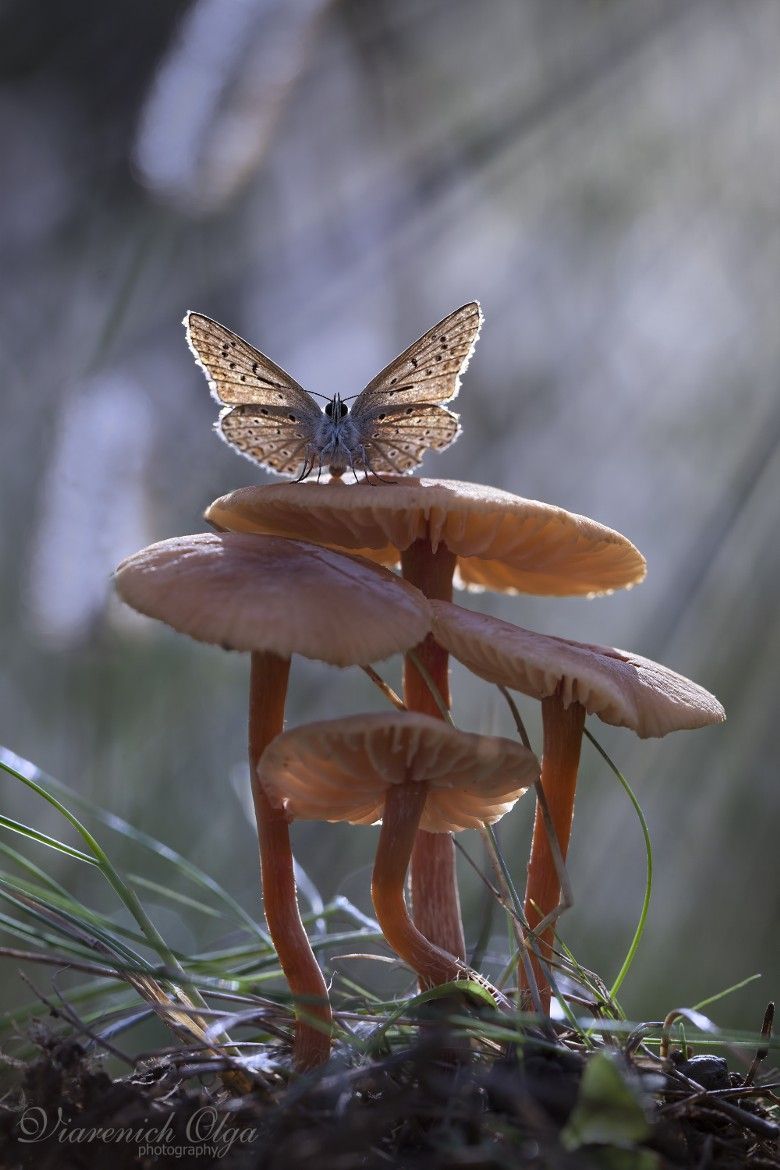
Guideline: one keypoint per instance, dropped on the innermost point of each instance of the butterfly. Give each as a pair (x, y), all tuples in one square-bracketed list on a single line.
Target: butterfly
[(271, 419)]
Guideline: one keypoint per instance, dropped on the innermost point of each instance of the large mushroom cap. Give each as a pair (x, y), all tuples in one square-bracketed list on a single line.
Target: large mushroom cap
[(503, 542), (266, 593), (621, 688), (340, 770)]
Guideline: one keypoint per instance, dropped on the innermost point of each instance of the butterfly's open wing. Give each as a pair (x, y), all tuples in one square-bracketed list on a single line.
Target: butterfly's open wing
[(236, 371), (269, 417), (400, 414), (272, 441), (399, 441), (429, 370)]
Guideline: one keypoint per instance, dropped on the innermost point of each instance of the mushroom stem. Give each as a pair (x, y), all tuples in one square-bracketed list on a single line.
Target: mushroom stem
[(267, 694), (435, 898), (560, 762), (404, 805)]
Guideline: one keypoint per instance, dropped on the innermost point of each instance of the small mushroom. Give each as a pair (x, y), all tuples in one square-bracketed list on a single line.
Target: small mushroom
[(494, 540), (409, 770), (571, 679), (274, 598)]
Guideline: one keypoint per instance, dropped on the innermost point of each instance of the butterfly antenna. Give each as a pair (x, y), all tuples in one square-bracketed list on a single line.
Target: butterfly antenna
[(329, 397)]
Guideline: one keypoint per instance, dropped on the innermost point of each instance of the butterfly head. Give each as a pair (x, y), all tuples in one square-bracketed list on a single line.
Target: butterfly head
[(336, 410)]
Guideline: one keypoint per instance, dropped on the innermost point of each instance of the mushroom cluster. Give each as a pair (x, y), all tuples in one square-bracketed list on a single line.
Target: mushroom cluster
[(285, 563)]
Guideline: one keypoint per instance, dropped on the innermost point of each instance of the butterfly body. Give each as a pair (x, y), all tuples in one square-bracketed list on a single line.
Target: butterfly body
[(336, 442), (268, 417)]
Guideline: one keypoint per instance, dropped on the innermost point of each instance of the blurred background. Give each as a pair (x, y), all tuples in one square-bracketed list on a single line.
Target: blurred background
[(330, 179)]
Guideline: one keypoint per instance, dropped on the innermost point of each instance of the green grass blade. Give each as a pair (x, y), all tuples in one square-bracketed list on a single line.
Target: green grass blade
[(79, 929), (44, 839), (28, 866), (640, 928), (436, 695), (63, 902), (127, 896), (726, 991), (147, 842), (172, 895)]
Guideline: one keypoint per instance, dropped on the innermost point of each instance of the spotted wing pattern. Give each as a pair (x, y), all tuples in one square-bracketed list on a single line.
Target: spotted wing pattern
[(264, 437), (268, 416), (399, 415), (398, 443)]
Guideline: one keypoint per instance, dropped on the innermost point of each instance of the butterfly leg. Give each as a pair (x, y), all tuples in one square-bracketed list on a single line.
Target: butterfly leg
[(304, 470), (368, 469), (378, 479), (352, 467), (308, 466), (365, 467)]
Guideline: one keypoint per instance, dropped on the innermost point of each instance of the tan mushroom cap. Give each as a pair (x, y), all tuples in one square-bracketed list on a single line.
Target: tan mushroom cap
[(285, 596), (503, 542), (622, 688), (340, 770)]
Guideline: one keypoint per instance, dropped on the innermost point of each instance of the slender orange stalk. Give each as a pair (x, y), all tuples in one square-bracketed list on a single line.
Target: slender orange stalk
[(403, 808), (404, 804), (267, 694), (435, 898), (560, 763)]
